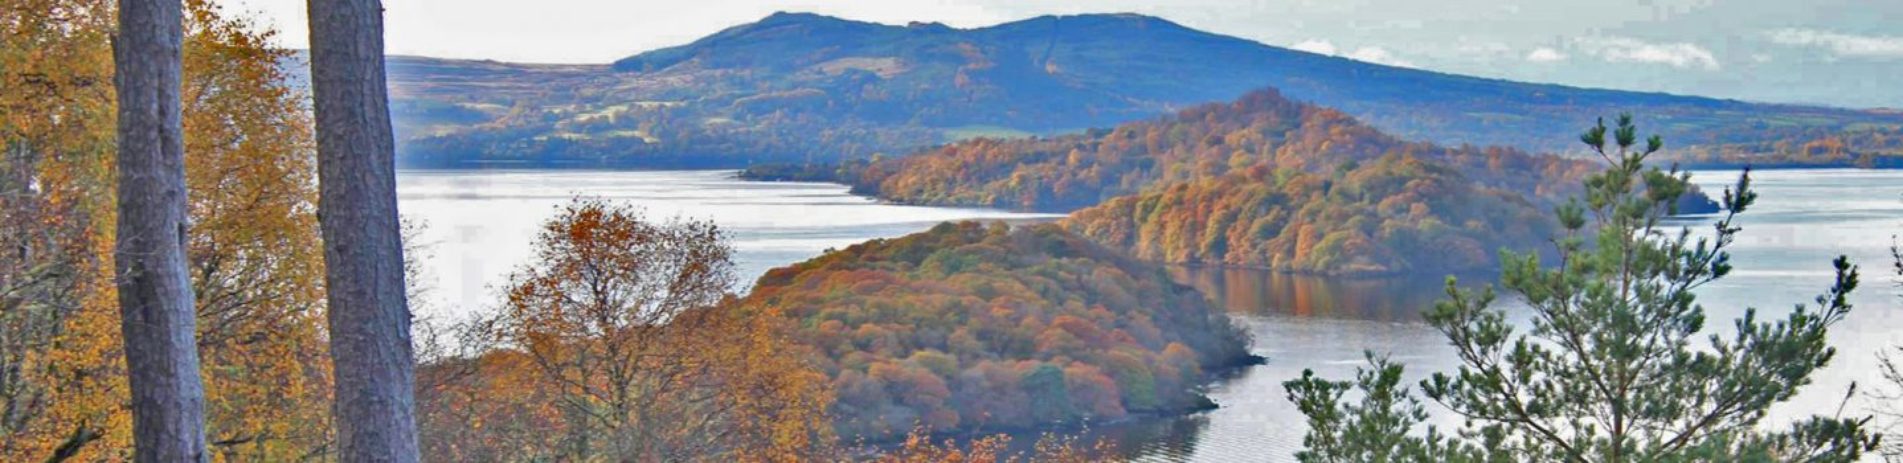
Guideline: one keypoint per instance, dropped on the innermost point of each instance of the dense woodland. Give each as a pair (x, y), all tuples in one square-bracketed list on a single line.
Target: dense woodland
[(1263, 181), (255, 261), (989, 327), (1262, 129), (1868, 147), (619, 342), (966, 328), (1394, 214)]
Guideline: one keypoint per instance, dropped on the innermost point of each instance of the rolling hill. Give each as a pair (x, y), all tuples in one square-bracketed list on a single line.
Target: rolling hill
[(972, 326), (1262, 181), (802, 87)]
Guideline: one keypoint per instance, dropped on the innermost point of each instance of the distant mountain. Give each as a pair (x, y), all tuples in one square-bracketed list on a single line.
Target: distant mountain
[(804, 87)]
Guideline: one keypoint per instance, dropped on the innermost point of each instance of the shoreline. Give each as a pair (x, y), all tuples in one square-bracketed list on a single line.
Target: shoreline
[(1075, 429)]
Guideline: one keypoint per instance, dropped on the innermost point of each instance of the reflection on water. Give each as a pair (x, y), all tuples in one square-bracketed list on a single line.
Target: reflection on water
[(1299, 322), (1263, 293)]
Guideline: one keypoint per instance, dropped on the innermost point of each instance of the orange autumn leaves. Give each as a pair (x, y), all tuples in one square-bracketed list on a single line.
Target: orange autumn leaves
[(620, 341), (614, 343), (1263, 182), (56, 127), (1259, 130), (969, 326), (254, 248), (1395, 214)]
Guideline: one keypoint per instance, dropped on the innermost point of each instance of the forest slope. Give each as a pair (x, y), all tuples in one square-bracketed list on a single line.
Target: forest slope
[(973, 326), (1263, 181), (1398, 213), (1263, 128)]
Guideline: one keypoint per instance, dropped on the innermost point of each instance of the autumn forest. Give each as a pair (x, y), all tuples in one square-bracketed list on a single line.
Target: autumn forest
[(202, 256)]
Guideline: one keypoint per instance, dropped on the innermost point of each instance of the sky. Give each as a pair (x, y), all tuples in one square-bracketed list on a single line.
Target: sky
[(1837, 52)]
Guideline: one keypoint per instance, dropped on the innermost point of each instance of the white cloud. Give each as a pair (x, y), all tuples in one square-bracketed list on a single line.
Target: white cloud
[(1545, 55), (1321, 47), (1630, 50), (1378, 55), (1375, 55), (1842, 45)]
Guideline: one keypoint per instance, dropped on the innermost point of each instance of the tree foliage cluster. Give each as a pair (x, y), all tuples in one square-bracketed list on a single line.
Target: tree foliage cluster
[(1261, 129), (1262, 181), (972, 326), (252, 255), (619, 342), (1394, 214), (919, 447), (1872, 147)]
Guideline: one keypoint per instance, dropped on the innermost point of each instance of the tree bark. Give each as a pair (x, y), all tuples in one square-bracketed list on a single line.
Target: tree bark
[(363, 250), (154, 283)]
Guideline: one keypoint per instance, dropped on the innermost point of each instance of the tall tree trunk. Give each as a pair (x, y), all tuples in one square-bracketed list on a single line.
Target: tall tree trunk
[(155, 288), (363, 248)]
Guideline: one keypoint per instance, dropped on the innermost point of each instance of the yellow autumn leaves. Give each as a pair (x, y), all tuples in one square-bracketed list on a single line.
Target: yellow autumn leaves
[(252, 250)]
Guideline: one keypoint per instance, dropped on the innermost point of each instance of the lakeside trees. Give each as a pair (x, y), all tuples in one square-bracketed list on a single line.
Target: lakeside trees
[(623, 319), (1391, 215), (974, 326), (1263, 181), (1608, 371), (617, 343), (1262, 129)]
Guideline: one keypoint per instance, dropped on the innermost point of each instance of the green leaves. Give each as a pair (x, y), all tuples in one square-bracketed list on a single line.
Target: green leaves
[(1607, 370), (1373, 430)]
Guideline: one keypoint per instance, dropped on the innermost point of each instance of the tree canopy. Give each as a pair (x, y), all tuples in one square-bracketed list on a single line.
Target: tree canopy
[(974, 326), (252, 249), (615, 343)]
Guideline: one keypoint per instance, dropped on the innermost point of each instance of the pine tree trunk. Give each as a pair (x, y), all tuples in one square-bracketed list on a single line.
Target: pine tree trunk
[(363, 250), (155, 289)]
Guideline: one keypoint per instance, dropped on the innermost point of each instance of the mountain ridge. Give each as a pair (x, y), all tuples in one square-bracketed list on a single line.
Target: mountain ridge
[(797, 87)]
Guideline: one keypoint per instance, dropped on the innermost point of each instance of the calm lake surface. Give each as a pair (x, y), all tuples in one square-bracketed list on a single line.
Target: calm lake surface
[(480, 225)]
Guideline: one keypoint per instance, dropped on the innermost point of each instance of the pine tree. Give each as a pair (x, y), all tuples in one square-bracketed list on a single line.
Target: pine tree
[(363, 248), (155, 292), (1608, 371)]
